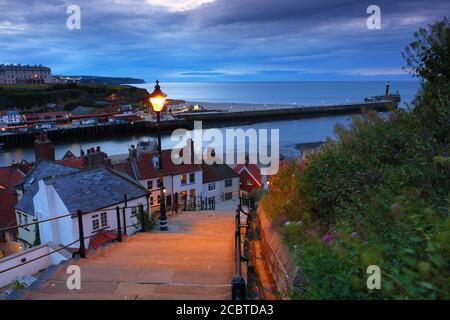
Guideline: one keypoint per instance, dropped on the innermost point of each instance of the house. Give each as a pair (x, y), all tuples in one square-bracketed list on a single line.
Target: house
[(55, 117), (220, 183), (25, 211), (10, 117), (250, 178), (182, 183), (97, 193), (9, 242)]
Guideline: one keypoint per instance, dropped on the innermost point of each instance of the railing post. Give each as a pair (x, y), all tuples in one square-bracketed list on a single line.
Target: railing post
[(124, 220), (82, 251), (141, 212), (119, 228), (238, 282)]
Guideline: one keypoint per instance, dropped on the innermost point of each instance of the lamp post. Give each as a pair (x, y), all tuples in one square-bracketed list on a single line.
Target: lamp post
[(157, 100)]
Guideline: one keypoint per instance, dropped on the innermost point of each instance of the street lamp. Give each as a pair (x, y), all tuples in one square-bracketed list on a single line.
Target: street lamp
[(157, 100)]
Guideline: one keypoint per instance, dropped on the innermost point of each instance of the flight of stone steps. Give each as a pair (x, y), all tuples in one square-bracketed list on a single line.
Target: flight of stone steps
[(194, 260)]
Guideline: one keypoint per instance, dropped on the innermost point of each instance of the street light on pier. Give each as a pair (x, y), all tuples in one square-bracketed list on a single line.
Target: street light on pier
[(157, 99)]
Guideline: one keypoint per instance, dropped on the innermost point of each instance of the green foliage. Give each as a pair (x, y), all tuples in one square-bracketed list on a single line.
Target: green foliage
[(257, 194), (18, 285), (29, 96), (429, 55), (380, 195), (37, 236), (146, 220)]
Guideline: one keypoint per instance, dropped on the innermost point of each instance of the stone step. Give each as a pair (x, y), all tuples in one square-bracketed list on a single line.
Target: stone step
[(194, 262)]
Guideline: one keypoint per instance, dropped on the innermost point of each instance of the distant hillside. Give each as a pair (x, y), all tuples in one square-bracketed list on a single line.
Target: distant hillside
[(104, 80), (36, 97)]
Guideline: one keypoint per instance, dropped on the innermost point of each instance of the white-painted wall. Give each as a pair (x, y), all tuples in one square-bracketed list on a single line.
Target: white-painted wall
[(19, 260), (64, 231), (221, 190)]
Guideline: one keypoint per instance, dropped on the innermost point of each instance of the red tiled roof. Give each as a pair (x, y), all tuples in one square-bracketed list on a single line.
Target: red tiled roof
[(8, 201), (46, 114), (25, 166), (124, 167), (77, 162), (148, 171), (11, 176), (252, 169)]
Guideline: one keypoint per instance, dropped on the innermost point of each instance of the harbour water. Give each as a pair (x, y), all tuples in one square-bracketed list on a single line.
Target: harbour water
[(291, 131)]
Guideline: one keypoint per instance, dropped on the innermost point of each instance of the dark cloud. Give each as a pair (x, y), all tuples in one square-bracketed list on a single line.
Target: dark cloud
[(224, 39)]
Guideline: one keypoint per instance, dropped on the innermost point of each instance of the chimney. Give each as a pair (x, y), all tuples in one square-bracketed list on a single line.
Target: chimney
[(44, 148), (132, 152), (96, 158)]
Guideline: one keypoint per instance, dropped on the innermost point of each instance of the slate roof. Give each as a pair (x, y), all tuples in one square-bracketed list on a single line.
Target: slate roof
[(90, 190), (40, 170), (217, 172)]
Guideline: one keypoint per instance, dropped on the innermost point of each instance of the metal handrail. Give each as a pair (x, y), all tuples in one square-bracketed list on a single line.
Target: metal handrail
[(238, 286), (82, 250)]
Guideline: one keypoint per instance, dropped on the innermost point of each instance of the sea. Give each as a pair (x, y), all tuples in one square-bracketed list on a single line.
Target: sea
[(291, 131)]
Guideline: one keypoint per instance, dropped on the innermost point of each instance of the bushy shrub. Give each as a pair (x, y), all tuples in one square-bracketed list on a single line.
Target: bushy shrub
[(379, 195)]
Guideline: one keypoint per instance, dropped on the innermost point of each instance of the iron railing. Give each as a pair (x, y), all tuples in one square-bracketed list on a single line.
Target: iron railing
[(81, 237), (238, 284)]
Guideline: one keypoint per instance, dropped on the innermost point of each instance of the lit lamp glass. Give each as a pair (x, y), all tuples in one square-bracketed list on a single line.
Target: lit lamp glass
[(158, 98)]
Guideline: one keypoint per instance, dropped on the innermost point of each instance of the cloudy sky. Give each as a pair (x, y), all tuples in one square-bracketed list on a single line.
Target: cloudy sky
[(215, 40)]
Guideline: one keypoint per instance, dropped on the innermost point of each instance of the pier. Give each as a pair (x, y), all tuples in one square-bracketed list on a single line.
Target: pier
[(186, 121)]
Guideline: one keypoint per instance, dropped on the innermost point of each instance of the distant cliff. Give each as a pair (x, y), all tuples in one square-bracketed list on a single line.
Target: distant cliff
[(66, 95), (102, 80)]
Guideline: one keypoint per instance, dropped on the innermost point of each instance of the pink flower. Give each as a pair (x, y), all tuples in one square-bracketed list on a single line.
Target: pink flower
[(327, 238)]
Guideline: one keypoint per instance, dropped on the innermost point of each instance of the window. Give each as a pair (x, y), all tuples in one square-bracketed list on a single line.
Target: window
[(103, 219), (95, 222), (192, 178), (228, 196), (211, 187), (159, 199), (158, 184), (151, 200), (228, 183), (2, 236), (240, 181), (150, 185), (183, 179), (249, 182)]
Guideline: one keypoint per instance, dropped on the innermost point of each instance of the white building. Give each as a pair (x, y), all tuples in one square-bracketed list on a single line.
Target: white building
[(24, 74), (53, 190), (10, 117), (220, 183), (182, 183)]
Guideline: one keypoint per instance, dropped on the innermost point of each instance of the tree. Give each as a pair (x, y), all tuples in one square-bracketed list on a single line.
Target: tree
[(428, 56)]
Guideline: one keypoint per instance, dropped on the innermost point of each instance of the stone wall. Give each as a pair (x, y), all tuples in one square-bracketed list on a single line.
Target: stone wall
[(276, 254)]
